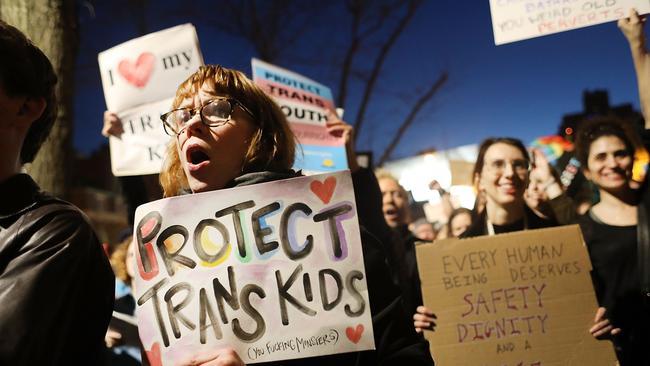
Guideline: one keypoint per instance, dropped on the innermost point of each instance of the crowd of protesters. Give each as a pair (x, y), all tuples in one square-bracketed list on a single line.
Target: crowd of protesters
[(57, 292)]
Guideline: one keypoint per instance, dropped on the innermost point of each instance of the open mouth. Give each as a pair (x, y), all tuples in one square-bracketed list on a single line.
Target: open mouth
[(196, 156), (390, 211)]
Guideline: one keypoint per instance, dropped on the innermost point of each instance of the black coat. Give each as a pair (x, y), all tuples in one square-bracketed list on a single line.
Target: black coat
[(56, 285)]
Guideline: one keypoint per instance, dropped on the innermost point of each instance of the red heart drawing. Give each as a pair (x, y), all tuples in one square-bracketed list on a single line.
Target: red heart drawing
[(154, 355), (137, 74), (324, 190), (354, 334)]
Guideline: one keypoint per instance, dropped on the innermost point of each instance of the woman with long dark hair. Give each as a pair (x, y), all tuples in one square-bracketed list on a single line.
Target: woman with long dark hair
[(617, 236), (501, 175)]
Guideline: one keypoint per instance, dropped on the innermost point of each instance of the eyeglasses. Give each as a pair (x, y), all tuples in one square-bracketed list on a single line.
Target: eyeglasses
[(214, 113), (519, 166)]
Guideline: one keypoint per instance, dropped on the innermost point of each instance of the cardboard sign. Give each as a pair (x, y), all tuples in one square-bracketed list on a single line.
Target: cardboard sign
[(274, 270), (304, 103), (461, 173), (515, 20), (139, 77), (518, 299), (141, 148)]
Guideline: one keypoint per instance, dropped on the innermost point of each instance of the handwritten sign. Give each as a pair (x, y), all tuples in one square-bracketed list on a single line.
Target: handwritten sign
[(141, 148), (304, 103), (515, 20), (274, 270), (149, 68), (518, 299), (139, 77)]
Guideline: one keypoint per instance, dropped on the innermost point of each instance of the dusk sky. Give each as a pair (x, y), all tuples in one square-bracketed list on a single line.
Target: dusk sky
[(520, 89)]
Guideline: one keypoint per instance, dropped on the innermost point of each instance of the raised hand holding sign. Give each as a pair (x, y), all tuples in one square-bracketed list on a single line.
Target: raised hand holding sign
[(248, 267), (139, 78)]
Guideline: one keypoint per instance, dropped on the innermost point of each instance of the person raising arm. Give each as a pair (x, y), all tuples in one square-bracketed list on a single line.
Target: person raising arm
[(632, 29)]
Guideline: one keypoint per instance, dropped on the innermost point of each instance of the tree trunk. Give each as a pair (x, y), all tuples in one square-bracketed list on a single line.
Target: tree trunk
[(52, 26)]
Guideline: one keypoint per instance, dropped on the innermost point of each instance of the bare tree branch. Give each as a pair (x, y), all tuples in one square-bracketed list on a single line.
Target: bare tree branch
[(272, 27), (360, 10), (356, 11), (421, 102), (379, 62)]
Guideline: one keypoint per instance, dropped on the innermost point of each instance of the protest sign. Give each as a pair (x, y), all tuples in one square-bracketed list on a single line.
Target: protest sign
[(304, 102), (515, 20), (518, 299), (141, 148), (274, 270), (139, 77), (149, 68), (461, 172)]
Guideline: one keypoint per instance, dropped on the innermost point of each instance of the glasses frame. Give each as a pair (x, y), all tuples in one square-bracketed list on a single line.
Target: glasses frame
[(169, 129), (490, 166)]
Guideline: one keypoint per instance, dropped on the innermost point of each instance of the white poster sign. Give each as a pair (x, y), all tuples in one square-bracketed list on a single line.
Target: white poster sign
[(149, 68), (305, 103), (274, 270), (515, 20), (139, 77), (141, 148)]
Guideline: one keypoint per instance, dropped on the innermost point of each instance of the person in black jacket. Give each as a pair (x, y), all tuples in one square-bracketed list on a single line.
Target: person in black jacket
[(228, 133), (611, 229), (395, 206), (56, 286), (617, 229)]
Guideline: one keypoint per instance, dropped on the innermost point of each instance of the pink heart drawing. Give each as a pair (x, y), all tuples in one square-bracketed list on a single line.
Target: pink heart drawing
[(354, 334), (324, 190), (138, 73), (154, 355)]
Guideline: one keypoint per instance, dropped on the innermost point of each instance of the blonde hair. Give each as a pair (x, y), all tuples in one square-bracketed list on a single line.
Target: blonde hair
[(273, 144), (384, 174), (118, 260)]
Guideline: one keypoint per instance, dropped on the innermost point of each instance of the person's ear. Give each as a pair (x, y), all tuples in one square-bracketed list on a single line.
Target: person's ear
[(32, 109), (477, 182), (586, 173)]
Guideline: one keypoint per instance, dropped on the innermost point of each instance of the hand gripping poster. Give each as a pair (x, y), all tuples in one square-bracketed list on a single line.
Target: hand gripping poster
[(274, 270), (304, 102), (139, 78), (517, 299)]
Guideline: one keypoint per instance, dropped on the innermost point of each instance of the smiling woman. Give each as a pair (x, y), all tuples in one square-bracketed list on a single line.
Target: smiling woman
[(616, 234), (501, 174)]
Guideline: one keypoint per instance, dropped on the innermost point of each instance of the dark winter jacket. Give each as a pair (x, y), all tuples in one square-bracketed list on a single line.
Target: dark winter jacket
[(56, 285)]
